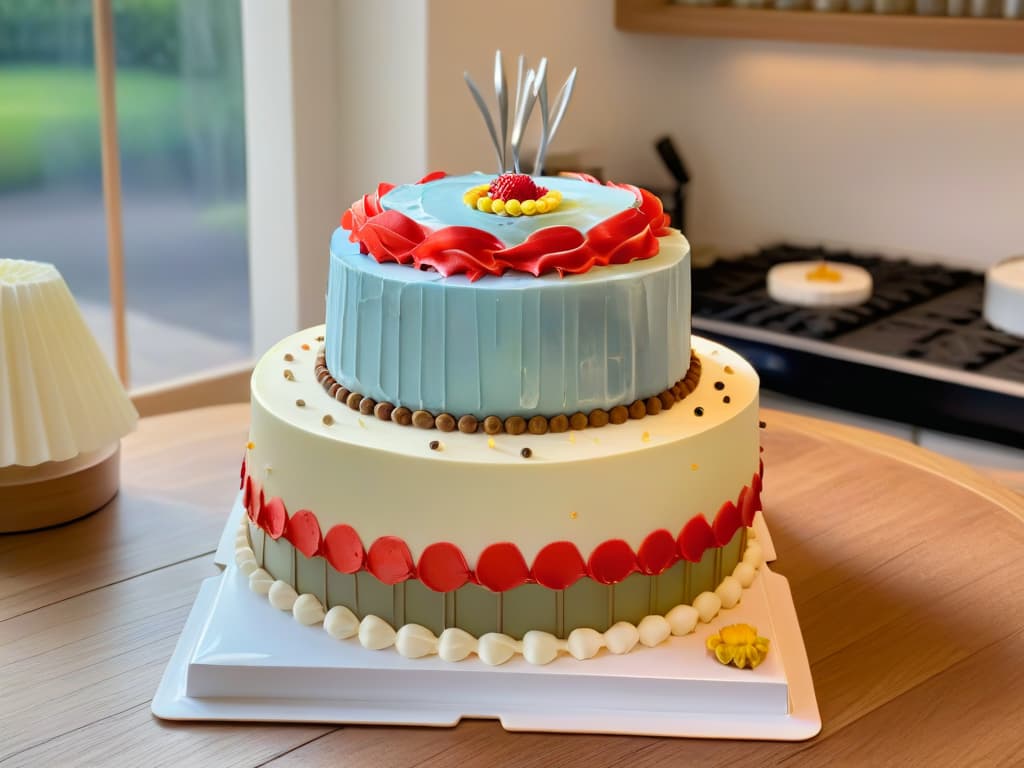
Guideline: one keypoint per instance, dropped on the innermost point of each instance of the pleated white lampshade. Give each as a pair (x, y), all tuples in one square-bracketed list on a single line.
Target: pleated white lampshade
[(62, 409)]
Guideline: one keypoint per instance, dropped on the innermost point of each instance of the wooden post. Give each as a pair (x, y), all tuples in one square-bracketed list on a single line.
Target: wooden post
[(106, 64)]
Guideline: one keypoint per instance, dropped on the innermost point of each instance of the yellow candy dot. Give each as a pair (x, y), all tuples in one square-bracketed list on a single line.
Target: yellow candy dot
[(490, 442), (529, 207), (693, 467), (513, 208), (484, 204), (573, 515), (542, 206), (646, 437), (498, 206), (250, 446)]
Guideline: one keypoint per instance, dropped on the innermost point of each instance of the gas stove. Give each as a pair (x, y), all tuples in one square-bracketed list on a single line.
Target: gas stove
[(919, 351)]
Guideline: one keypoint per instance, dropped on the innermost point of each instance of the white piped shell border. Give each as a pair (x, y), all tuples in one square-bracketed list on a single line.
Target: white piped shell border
[(414, 641)]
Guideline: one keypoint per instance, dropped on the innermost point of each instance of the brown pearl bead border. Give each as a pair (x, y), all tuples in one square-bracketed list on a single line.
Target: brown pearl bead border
[(513, 425)]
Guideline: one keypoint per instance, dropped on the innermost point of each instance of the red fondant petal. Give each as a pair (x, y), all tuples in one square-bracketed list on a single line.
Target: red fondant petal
[(432, 176), (657, 552), (559, 565), (241, 475), (611, 562), (443, 567), (501, 567), (274, 517), (747, 506), (726, 523), (695, 537), (248, 497), (389, 560), (343, 549), (303, 531)]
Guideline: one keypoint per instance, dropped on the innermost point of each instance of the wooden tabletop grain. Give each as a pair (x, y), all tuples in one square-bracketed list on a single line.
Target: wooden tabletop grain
[(907, 571)]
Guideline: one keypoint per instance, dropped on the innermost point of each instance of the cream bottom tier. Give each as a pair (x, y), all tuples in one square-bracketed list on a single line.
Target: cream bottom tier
[(476, 530)]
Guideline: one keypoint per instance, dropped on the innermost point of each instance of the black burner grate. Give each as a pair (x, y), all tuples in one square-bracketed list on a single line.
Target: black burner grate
[(925, 314), (918, 311)]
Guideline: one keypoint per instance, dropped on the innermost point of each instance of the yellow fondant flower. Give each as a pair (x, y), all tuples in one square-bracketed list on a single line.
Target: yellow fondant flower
[(739, 645)]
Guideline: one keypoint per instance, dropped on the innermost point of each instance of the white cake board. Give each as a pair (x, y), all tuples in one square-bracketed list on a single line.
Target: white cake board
[(243, 660)]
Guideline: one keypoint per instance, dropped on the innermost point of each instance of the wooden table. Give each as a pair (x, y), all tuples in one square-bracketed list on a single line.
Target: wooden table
[(907, 570)]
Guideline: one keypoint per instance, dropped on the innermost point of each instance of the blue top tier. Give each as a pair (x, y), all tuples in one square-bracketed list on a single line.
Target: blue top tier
[(510, 345)]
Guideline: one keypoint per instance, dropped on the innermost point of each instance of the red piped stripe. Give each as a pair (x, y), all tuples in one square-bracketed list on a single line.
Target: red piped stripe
[(501, 566)]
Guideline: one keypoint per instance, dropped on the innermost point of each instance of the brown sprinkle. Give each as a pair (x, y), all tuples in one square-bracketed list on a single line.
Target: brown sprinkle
[(423, 419), (402, 415), (328, 419), (728, 369), (698, 411), (301, 403), (468, 424), (618, 415), (598, 418), (515, 425), (637, 410), (526, 453), (435, 445), (383, 411), (319, 338), (288, 357), (289, 375), (761, 424), (493, 425), (538, 425), (653, 406), (366, 406), (353, 400), (559, 423), (578, 421), (445, 422)]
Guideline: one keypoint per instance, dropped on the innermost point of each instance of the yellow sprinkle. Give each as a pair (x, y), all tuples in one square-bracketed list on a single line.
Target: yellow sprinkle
[(361, 423), (513, 208), (646, 437), (250, 445), (490, 442), (498, 206), (268, 469), (573, 515), (572, 437), (693, 467), (484, 204), (596, 441), (529, 207), (823, 273)]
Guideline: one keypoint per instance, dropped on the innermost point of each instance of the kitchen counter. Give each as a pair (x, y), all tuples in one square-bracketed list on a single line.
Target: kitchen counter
[(906, 570)]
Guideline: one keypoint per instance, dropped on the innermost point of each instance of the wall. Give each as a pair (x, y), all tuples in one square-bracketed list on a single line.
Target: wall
[(907, 152)]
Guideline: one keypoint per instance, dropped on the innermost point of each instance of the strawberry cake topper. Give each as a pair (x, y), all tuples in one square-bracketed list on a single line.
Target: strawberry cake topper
[(514, 193)]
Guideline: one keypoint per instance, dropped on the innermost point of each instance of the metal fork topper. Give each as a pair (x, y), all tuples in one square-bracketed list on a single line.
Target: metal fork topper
[(531, 89)]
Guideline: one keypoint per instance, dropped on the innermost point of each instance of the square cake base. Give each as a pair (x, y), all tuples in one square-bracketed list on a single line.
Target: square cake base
[(240, 659)]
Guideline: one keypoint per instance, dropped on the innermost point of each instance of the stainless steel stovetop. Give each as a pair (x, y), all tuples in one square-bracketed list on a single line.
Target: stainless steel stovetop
[(919, 351)]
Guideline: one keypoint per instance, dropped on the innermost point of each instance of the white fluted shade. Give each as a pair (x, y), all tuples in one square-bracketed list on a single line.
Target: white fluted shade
[(58, 396)]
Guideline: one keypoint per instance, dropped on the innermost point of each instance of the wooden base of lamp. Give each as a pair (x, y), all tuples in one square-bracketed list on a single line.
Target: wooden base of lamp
[(58, 491)]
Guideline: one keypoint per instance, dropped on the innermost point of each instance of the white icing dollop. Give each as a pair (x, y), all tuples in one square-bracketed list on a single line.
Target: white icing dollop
[(540, 647), (307, 610), (653, 630), (729, 592), (260, 581), (621, 637), (375, 633), (584, 643), (248, 567), (282, 595), (341, 623), (754, 555), (495, 648), (455, 644), (244, 553), (415, 641), (744, 573), (682, 619), (708, 604)]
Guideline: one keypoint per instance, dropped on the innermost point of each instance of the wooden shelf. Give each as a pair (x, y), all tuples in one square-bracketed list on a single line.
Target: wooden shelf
[(946, 33)]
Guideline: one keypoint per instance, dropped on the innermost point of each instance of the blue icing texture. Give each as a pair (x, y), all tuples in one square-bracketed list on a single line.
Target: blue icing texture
[(511, 345), (439, 204)]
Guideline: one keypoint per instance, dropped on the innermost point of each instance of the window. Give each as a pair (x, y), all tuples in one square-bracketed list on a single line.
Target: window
[(182, 150)]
